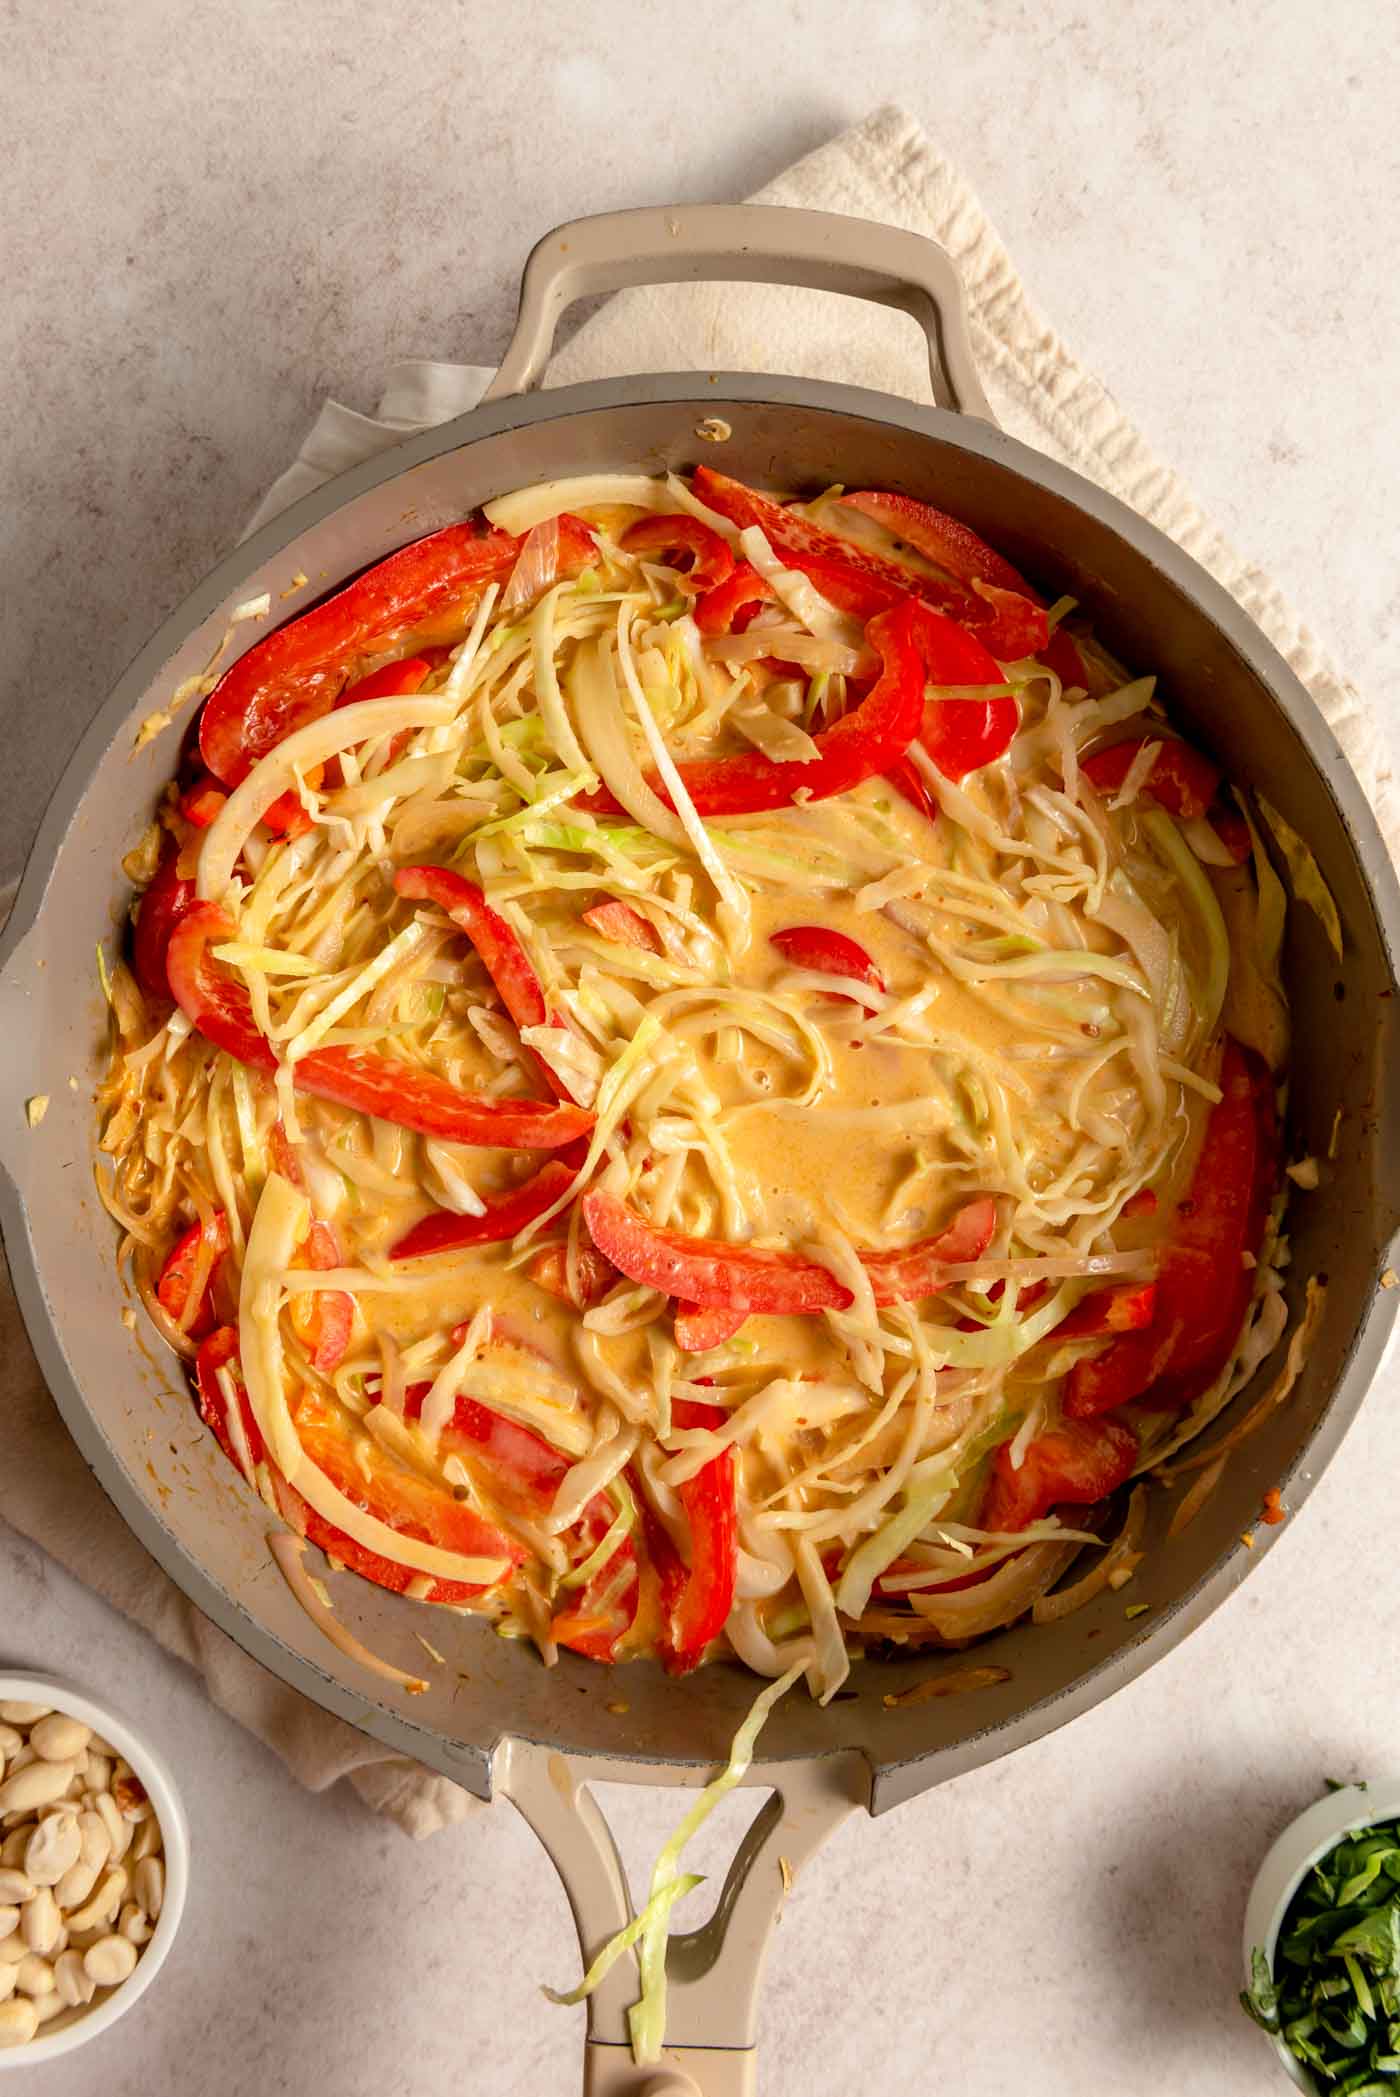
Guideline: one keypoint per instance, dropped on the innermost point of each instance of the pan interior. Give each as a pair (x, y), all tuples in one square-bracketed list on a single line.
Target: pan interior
[(123, 1396)]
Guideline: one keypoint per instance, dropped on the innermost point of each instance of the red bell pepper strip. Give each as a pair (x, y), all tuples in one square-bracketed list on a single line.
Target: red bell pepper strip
[(908, 1276), (671, 540), (549, 1269), (173, 1288), (618, 921), (406, 1502), (506, 1214), (596, 1624), (1181, 780), (906, 779), (1075, 1465), (295, 674), (1143, 1203), (946, 541), (200, 803), (157, 914), (1232, 830), (404, 1093), (730, 605), (503, 957), (1203, 1284), (322, 1319), (954, 547), (960, 735), (829, 953), (1007, 624), (861, 744), (697, 1331), (525, 1471), (1061, 654), (505, 960), (402, 1499), (709, 1272), (1126, 1368), (696, 1599), (1124, 1309)]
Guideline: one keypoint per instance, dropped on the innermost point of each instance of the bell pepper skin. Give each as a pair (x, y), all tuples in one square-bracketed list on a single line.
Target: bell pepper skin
[(829, 953), (1204, 1282), (670, 540), (1074, 1465), (710, 1272), (405, 1093), (860, 745), (173, 1287), (296, 673), (696, 1599), (159, 911), (1181, 780), (1007, 623)]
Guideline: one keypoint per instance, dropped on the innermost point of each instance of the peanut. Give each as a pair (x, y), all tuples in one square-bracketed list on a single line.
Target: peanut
[(19, 2020), (34, 1975), (60, 1739), (72, 1979), (40, 1922), (37, 1784), (103, 1905), (110, 1961), (53, 1848)]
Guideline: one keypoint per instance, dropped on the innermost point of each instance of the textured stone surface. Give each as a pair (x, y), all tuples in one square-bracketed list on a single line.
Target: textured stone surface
[(214, 215)]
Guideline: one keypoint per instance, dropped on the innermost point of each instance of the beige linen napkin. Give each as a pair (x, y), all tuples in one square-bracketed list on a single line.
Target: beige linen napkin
[(884, 169)]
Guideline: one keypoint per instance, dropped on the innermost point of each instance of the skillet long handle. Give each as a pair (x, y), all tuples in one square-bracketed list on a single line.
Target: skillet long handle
[(713, 1973), (745, 243)]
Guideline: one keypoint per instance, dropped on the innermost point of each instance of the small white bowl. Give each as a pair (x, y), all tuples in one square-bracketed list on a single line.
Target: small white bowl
[(1303, 1843), (76, 2026)]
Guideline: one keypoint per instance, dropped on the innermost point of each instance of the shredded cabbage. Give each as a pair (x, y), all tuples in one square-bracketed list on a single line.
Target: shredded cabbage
[(1031, 1014)]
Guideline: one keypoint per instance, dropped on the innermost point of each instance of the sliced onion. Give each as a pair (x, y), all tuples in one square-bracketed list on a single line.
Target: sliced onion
[(1205, 842), (1000, 1600), (524, 508), (1122, 1555), (287, 1551), (275, 773), (790, 646), (954, 1684), (1052, 1268), (1273, 1398), (1123, 912), (756, 1649), (536, 566), (1195, 1499), (598, 705), (159, 1316), (610, 1455), (392, 1380)]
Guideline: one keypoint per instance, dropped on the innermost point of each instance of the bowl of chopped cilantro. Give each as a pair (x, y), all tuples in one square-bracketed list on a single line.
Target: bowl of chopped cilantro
[(1322, 1943)]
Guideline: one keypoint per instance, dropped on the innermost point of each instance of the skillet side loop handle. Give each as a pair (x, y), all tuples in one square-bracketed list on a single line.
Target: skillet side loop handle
[(745, 243), (713, 1973)]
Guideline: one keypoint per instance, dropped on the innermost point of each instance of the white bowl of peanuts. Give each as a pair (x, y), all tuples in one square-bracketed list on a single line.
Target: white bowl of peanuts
[(94, 1857)]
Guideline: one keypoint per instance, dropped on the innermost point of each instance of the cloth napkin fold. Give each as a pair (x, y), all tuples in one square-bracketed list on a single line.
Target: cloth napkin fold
[(884, 169)]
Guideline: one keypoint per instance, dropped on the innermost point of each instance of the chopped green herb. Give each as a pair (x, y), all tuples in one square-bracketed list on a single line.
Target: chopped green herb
[(1333, 1996), (1136, 1609)]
